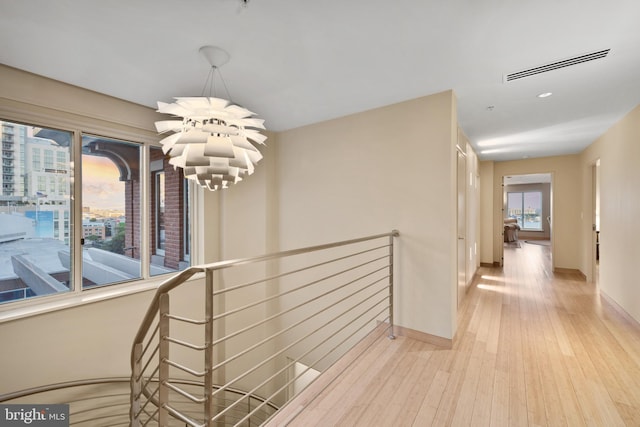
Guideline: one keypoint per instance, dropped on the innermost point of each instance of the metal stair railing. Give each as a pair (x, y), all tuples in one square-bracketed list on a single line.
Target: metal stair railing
[(267, 325), (106, 401)]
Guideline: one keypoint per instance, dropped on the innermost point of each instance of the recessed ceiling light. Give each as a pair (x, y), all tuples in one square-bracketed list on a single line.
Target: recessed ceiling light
[(545, 95)]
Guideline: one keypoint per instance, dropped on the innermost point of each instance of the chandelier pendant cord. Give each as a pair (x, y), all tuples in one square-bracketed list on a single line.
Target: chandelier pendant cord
[(211, 82)]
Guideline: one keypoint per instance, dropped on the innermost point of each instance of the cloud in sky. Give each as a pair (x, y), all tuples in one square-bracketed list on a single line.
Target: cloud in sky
[(101, 188)]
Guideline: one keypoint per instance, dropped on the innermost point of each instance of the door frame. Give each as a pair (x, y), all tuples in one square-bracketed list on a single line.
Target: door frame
[(502, 210)]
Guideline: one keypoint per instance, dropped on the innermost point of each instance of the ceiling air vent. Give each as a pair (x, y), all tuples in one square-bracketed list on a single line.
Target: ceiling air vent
[(556, 65)]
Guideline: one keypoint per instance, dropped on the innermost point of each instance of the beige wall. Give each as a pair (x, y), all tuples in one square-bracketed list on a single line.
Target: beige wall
[(89, 341), (486, 212), (566, 206), (393, 167), (619, 153), (25, 96)]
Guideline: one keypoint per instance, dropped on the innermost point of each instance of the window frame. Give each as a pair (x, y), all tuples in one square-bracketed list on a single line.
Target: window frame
[(158, 177)]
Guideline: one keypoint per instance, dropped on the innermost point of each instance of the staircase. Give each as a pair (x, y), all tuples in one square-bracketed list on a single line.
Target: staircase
[(262, 331)]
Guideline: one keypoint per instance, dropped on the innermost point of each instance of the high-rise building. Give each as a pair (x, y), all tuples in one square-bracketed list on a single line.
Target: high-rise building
[(35, 180), (13, 149)]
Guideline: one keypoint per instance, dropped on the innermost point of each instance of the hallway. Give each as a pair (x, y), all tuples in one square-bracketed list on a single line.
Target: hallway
[(533, 349)]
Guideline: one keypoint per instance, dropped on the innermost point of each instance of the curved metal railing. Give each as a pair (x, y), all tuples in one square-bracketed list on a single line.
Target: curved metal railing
[(106, 401), (266, 324)]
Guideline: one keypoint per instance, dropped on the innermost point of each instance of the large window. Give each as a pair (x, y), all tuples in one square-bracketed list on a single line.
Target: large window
[(526, 207), (110, 201), (67, 229)]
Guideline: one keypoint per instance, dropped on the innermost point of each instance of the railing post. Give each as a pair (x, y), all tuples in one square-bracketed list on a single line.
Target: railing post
[(208, 355), (392, 237), (136, 388), (163, 373)]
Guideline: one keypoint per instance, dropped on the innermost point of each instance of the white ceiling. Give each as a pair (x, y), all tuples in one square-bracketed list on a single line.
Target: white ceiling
[(300, 62)]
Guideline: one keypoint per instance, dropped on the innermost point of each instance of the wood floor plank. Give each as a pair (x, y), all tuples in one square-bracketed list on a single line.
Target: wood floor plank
[(446, 409), (417, 406), (517, 390), (405, 401), (431, 403), (481, 415), (558, 347), (500, 395), (466, 397), (533, 347), (380, 395)]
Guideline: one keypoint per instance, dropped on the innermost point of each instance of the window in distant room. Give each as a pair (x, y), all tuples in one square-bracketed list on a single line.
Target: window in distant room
[(526, 207)]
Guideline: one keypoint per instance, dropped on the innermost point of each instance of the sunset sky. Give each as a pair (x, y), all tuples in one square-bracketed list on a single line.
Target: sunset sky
[(101, 188)]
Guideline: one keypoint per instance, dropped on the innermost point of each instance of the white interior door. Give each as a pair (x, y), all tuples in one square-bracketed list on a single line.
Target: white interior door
[(462, 220)]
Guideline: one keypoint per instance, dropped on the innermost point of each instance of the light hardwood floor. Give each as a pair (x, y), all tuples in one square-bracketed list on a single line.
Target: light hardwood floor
[(533, 349)]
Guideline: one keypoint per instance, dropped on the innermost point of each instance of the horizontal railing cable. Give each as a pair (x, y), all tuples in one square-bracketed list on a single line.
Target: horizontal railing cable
[(153, 417), (150, 378), (280, 295), (186, 320), (183, 393), (281, 313), (186, 344), (155, 351), (287, 384), (92, 421), (299, 270), (304, 354), (60, 386), (298, 341), (380, 332), (146, 347), (150, 399), (281, 332), (185, 369), (319, 359), (182, 417), (87, 407)]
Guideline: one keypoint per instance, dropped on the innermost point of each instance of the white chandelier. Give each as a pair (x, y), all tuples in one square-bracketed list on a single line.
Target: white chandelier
[(212, 141)]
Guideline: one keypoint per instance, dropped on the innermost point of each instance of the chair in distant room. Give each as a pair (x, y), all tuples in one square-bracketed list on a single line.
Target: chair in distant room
[(511, 228)]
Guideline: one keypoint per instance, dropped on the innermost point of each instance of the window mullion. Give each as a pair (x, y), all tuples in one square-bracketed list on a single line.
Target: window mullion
[(145, 237), (76, 212)]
